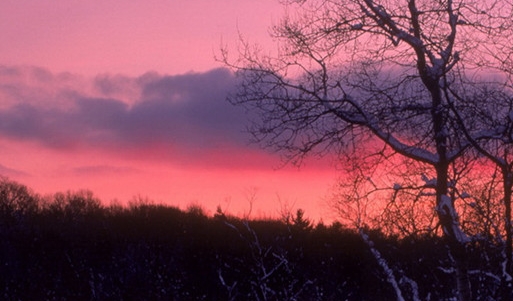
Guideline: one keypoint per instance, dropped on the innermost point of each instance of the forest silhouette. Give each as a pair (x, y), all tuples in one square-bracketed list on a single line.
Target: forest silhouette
[(69, 246)]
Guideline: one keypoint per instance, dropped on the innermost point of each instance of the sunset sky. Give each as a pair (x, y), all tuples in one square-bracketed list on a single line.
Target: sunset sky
[(126, 99)]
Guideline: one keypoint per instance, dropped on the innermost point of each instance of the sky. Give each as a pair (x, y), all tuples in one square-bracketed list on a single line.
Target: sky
[(126, 99)]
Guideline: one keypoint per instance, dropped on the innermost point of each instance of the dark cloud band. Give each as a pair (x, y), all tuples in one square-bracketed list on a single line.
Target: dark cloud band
[(181, 117)]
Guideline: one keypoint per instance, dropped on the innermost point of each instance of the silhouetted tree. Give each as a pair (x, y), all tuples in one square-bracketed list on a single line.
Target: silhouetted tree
[(351, 72), (497, 116), (16, 199), (300, 222), (73, 248)]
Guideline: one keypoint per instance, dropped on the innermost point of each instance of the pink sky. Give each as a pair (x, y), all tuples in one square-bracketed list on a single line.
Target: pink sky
[(128, 37), (126, 99)]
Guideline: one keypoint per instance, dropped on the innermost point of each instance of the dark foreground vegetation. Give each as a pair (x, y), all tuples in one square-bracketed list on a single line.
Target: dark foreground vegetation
[(70, 247)]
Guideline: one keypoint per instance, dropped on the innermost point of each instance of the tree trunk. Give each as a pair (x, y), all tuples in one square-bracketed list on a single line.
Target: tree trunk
[(451, 229), (444, 204), (459, 252)]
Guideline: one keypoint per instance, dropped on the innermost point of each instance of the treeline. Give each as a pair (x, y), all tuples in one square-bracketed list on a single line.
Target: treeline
[(71, 247)]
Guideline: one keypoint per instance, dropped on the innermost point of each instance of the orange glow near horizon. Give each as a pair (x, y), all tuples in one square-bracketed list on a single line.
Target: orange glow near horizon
[(265, 191)]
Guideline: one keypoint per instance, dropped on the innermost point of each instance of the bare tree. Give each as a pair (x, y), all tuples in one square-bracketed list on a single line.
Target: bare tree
[(496, 115), (349, 73), (266, 264)]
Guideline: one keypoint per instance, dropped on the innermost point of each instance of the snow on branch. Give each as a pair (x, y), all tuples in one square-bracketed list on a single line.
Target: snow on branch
[(384, 265), (449, 219), (370, 122)]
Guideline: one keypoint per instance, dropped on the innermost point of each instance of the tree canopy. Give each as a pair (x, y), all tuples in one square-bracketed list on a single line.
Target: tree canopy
[(428, 81)]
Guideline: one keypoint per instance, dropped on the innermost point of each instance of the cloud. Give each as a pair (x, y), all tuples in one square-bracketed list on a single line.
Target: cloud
[(6, 171), (103, 170), (181, 118)]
